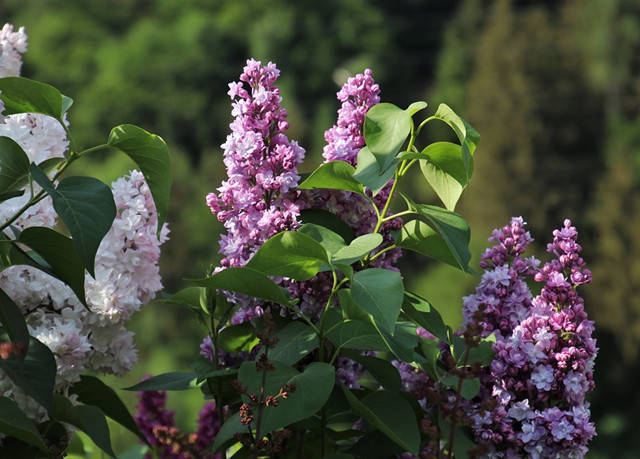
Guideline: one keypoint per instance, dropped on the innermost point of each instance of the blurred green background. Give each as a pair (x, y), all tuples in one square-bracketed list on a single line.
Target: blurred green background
[(552, 86)]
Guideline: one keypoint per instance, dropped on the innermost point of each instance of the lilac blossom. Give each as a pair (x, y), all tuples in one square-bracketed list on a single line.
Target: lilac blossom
[(255, 202), (544, 351), (157, 425)]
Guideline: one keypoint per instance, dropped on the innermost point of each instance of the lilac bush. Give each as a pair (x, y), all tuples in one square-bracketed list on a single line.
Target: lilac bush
[(313, 346)]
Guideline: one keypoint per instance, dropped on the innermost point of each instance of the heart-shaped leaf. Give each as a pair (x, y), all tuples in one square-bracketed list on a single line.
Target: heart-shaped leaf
[(370, 174), (14, 165), (35, 373), (12, 320), (22, 95), (379, 292), (151, 154), (86, 206), (386, 128), (59, 252), (290, 254), (247, 281), (14, 423), (335, 175), (391, 414)]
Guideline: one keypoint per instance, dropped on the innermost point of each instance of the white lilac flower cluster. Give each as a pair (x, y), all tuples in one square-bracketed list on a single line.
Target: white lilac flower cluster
[(126, 265)]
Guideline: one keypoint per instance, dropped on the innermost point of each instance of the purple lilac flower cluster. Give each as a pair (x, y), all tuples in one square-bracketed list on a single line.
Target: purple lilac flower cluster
[(543, 363), (503, 298), (157, 425), (254, 203)]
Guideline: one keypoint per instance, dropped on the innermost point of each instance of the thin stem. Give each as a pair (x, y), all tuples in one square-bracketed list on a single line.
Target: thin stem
[(304, 317), (431, 118), (39, 197), (399, 214), (261, 405), (452, 431), (386, 249), (104, 146), (388, 203), (407, 167)]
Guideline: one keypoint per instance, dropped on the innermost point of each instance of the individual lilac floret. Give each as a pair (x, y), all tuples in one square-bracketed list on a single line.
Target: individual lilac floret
[(543, 368), (254, 203)]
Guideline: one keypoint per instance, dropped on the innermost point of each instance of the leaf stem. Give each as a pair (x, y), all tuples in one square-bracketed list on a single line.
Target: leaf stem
[(386, 249)]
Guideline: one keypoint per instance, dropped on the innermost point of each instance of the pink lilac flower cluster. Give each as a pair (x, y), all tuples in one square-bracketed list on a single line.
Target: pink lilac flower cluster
[(12, 45), (157, 425), (255, 202), (543, 367)]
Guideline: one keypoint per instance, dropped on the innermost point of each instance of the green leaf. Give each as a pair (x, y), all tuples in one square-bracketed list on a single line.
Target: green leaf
[(189, 297), (466, 134), (59, 252), (386, 128), (402, 342), (91, 391), (14, 423), (230, 427), (86, 206), (295, 341), (451, 227), (151, 154), (424, 314), (384, 372), (391, 414), (372, 445), (313, 388), (135, 452), (12, 320), (470, 387), (349, 308), (89, 419), (329, 220), (166, 381), (331, 241), (5, 195), (379, 292), (356, 334), (290, 254), (238, 338), (358, 248), (35, 373), (22, 95), (419, 237), (431, 352), (415, 107), (67, 102), (370, 174), (444, 169), (483, 352), (247, 281), (14, 165), (334, 175)]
